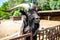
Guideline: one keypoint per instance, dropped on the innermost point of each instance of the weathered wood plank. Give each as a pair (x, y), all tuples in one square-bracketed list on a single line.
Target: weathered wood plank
[(12, 37), (49, 11)]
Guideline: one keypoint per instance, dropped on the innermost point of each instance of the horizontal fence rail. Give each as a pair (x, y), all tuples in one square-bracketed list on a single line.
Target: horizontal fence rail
[(20, 37), (52, 33)]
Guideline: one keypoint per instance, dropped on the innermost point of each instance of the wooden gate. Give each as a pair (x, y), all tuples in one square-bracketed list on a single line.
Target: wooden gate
[(52, 33)]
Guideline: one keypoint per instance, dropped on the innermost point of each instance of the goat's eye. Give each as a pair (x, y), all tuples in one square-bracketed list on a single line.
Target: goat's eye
[(37, 18)]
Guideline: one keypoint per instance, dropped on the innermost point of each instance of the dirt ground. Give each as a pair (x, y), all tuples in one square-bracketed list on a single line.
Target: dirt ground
[(9, 27), (48, 23)]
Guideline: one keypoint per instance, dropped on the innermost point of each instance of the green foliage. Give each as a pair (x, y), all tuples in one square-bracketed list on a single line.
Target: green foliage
[(58, 3), (49, 4), (4, 15), (53, 4), (46, 6), (4, 6), (16, 12), (7, 5)]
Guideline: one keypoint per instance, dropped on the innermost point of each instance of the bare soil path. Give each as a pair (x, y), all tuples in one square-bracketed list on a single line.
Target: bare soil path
[(47, 23), (10, 27)]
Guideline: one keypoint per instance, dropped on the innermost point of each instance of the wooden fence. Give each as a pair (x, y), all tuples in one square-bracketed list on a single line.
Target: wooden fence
[(50, 15), (20, 37), (52, 33)]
